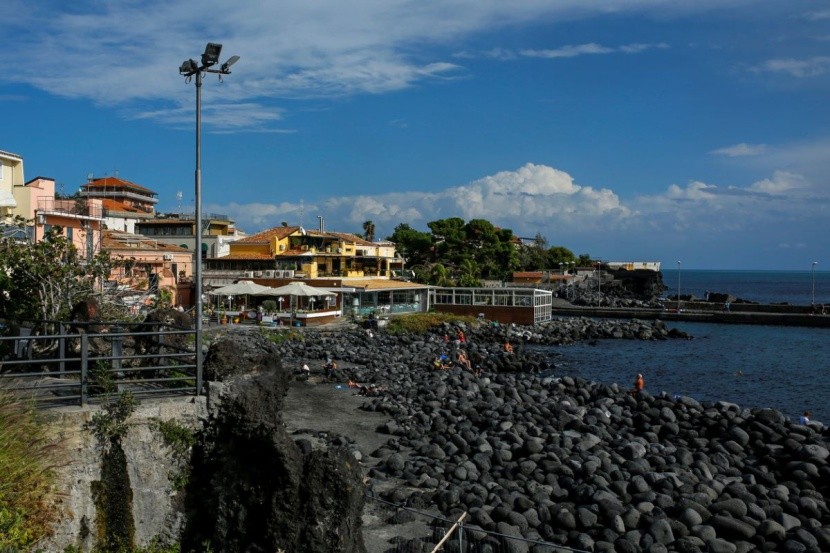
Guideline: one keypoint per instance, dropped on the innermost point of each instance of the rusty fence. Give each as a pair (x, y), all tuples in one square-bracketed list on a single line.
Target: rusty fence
[(394, 528), (80, 363)]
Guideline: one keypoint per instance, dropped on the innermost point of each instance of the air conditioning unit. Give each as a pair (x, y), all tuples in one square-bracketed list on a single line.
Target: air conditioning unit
[(249, 274), (268, 274), (278, 274), (304, 247), (168, 257), (339, 250), (288, 273), (257, 274), (282, 247)]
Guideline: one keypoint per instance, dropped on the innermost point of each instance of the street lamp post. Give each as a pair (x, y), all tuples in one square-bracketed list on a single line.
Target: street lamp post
[(188, 69), (814, 282), (678, 286), (599, 285)]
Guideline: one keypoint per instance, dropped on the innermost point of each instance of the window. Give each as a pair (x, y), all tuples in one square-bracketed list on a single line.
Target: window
[(69, 233)]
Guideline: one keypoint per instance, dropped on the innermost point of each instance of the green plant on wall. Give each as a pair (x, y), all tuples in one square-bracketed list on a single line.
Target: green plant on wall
[(179, 439)]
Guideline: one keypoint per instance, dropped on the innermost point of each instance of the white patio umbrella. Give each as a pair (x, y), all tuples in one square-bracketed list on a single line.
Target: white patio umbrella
[(241, 288), (299, 290)]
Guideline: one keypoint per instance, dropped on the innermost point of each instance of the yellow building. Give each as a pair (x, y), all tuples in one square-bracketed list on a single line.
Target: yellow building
[(294, 252)]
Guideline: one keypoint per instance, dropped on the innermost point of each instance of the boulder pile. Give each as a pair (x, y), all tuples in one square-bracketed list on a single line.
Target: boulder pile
[(582, 464)]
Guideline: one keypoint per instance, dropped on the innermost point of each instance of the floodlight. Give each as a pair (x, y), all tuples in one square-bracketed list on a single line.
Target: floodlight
[(188, 67), (211, 55), (231, 60)]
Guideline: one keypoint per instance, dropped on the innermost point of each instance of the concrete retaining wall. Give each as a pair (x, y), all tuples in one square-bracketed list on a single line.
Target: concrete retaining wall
[(149, 465)]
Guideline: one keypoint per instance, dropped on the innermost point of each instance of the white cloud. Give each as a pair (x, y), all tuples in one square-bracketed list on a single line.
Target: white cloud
[(591, 48), (755, 217), (126, 53), (740, 150), (801, 68), (818, 15)]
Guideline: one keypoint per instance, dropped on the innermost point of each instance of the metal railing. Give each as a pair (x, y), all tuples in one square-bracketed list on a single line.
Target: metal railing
[(419, 530), (70, 367)]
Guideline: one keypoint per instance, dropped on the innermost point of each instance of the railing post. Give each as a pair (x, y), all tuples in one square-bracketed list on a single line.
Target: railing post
[(62, 348), (161, 360), (84, 367), (198, 364), (117, 351)]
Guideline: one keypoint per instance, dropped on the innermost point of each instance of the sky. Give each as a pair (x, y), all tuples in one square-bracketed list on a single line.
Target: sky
[(648, 130)]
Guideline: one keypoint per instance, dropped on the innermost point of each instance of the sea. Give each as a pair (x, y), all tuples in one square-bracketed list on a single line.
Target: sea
[(785, 368)]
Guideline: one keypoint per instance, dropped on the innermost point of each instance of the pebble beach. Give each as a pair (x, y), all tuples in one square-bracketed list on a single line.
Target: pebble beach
[(564, 461)]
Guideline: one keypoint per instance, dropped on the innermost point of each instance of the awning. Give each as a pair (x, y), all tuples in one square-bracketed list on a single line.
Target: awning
[(6, 199)]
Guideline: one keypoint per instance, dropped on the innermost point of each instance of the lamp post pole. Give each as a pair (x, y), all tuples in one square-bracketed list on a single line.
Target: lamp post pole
[(599, 285), (678, 286), (814, 282), (188, 69)]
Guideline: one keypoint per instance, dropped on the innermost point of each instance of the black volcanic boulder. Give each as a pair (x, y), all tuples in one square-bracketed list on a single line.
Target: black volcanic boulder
[(252, 488)]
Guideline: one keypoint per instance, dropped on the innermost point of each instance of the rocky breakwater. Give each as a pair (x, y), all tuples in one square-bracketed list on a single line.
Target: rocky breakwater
[(588, 466), (581, 464), (252, 488)]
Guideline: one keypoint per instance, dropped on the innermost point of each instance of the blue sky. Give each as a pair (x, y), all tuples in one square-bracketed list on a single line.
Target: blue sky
[(630, 130)]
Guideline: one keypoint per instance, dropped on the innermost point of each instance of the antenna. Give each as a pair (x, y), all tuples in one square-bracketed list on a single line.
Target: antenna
[(302, 209), (179, 200)]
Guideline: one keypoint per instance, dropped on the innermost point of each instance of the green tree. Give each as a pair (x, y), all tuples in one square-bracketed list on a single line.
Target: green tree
[(413, 245), (558, 255), (44, 280), (369, 231), (584, 260), (439, 276)]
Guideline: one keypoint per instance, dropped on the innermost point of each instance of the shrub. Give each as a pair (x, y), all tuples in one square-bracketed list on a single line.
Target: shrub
[(28, 457), (421, 323)]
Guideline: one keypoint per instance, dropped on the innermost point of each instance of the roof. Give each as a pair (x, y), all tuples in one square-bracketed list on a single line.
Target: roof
[(246, 255), (107, 182), (9, 154), (266, 235), (115, 205), (118, 240), (282, 232), (377, 284), (529, 274)]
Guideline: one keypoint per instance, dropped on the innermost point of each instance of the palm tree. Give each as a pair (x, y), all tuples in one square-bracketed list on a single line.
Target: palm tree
[(369, 231)]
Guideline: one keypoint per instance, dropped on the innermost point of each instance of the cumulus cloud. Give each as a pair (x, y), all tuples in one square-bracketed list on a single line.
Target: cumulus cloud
[(535, 198)]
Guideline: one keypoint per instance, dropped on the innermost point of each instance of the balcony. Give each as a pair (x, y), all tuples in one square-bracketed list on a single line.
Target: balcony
[(78, 208)]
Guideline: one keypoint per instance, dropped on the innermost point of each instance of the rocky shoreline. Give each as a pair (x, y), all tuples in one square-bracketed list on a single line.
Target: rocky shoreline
[(575, 463)]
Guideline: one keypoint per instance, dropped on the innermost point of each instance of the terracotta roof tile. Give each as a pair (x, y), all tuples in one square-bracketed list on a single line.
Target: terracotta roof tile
[(106, 182), (267, 235)]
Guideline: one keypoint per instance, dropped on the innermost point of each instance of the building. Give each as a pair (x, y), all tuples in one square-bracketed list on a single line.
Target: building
[(147, 266), (294, 252), (11, 175), (34, 201), (125, 203), (179, 229)]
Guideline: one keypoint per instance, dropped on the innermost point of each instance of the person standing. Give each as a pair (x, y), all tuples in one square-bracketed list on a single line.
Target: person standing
[(639, 384)]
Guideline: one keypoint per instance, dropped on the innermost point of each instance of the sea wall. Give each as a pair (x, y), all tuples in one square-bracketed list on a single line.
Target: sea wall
[(149, 463)]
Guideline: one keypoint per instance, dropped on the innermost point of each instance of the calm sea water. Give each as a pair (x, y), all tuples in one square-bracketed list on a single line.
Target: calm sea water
[(793, 287), (786, 368)]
